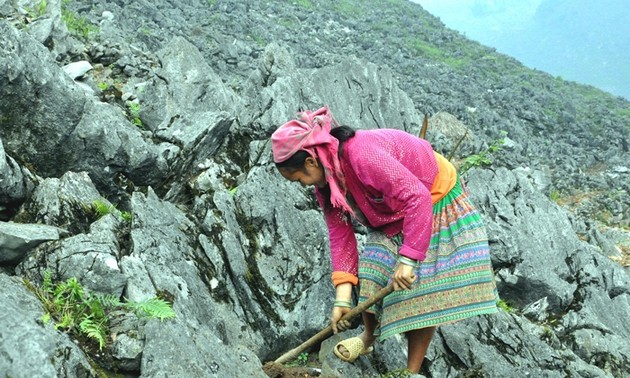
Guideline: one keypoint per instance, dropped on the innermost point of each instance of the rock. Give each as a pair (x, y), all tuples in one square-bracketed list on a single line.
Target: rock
[(242, 254), (206, 338), (91, 258), (107, 15), (17, 239), (128, 351), (62, 202), (16, 184), (76, 70)]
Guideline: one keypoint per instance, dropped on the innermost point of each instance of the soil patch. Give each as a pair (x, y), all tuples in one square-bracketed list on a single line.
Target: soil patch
[(275, 370)]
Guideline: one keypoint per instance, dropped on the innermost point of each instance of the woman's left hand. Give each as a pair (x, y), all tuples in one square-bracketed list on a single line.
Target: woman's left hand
[(336, 322), (404, 276)]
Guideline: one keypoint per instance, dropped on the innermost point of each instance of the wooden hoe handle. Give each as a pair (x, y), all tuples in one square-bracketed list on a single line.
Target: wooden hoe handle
[(326, 332)]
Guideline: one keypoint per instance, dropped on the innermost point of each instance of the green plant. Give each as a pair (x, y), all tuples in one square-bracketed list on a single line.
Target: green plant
[(547, 333), (346, 8), (260, 41), (554, 195), (399, 373), (421, 48), (41, 7), (102, 86), (302, 3), (505, 306), (78, 312), (134, 111), (301, 360), (484, 158), (145, 31), (77, 25), (101, 208), (39, 10), (126, 216)]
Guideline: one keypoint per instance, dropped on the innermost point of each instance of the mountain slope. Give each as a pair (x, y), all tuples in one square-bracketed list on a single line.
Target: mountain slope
[(577, 40)]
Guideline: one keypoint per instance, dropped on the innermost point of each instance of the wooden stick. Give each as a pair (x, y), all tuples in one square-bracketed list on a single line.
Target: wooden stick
[(326, 332), (425, 126)]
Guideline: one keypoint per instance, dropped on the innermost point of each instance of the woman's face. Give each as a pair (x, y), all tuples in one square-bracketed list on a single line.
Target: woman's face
[(311, 174)]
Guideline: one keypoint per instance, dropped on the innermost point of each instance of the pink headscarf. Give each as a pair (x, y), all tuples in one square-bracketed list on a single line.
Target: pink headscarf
[(311, 133)]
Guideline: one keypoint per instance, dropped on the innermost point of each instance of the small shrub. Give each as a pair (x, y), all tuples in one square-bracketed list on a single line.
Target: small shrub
[(547, 333), (134, 111), (301, 360), (260, 41), (77, 25), (39, 10), (484, 158)]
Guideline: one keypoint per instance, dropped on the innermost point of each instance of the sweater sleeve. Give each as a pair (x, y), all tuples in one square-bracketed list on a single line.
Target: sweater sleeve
[(400, 189), (343, 243)]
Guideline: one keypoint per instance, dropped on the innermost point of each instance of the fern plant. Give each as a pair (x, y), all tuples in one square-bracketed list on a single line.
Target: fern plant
[(101, 208), (153, 308), (78, 312)]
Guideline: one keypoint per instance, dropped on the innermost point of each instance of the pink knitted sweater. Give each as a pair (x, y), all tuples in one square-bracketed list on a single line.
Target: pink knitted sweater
[(389, 174)]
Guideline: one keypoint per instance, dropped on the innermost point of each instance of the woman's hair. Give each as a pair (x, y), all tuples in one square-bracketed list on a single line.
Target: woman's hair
[(296, 161), (342, 133)]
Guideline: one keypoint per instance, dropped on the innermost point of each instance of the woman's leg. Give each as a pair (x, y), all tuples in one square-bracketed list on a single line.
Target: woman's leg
[(418, 342), (369, 325)]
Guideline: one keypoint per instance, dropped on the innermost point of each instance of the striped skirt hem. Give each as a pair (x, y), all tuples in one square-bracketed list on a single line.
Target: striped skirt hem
[(455, 281)]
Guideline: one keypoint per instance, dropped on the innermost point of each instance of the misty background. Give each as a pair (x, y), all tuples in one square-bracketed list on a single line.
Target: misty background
[(579, 40)]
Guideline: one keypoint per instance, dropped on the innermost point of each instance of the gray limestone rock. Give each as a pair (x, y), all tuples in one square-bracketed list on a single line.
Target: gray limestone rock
[(17, 239), (242, 254), (30, 348), (16, 183), (62, 129)]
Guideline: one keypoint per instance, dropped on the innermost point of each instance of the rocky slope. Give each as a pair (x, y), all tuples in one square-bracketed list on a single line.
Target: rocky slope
[(168, 127)]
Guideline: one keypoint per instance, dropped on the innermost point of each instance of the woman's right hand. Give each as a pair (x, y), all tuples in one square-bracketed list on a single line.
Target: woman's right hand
[(335, 318), (404, 277)]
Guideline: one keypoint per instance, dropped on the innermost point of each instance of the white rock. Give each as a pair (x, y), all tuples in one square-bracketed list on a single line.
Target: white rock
[(107, 15), (77, 69)]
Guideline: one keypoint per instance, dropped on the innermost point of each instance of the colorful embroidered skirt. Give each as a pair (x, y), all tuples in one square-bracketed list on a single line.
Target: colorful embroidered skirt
[(455, 281)]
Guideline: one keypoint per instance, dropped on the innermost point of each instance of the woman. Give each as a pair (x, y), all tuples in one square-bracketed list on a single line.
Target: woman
[(424, 234)]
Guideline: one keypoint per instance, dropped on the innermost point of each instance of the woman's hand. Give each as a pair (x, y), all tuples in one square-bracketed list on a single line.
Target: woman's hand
[(404, 276), (335, 318), (343, 304)]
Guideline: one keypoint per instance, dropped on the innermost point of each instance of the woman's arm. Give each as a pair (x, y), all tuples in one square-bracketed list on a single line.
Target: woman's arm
[(343, 243)]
